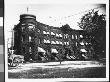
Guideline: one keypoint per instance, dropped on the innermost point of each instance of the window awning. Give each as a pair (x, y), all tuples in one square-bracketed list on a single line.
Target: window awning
[(48, 41), (81, 36), (60, 42), (45, 41), (48, 33), (41, 49), (12, 51), (82, 43), (83, 50), (52, 33), (44, 32), (57, 35), (54, 51), (86, 43), (53, 42), (57, 42), (60, 35), (65, 43)]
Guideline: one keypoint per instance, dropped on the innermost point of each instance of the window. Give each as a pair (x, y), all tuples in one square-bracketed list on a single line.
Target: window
[(81, 36), (48, 41), (45, 41), (44, 32), (76, 43), (30, 38), (38, 31), (57, 35), (30, 27), (23, 24), (23, 28), (23, 37), (86, 43), (60, 42), (60, 35), (39, 41), (67, 43), (72, 36), (57, 42), (53, 42), (48, 33), (30, 50), (66, 35), (52, 33), (81, 43), (76, 36)]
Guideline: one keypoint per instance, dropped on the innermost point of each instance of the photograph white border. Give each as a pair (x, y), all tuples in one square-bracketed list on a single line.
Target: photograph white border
[(61, 2)]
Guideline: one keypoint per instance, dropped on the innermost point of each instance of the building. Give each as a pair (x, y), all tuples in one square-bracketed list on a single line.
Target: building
[(38, 41)]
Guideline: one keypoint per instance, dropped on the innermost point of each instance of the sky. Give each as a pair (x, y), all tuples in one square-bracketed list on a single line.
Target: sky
[(55, 14)]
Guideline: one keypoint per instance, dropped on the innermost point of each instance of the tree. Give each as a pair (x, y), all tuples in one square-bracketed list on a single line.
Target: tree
[(95, 26)]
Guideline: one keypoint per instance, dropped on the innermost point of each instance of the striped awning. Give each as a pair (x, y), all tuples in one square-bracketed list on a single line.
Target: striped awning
[(83, 50), (41, 49), (44, 32), (52, 33), (82, 43), (57, 42), (54, 51), (53, 42)]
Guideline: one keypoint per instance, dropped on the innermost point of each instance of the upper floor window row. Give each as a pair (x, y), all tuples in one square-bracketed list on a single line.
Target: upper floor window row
[(44, 32), (59, 35), (66, 35), (52, 33), (66, 43), (46, 41), (29, 24), (57, 42)]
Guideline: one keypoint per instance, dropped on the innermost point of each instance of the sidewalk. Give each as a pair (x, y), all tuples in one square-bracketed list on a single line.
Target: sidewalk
[(67, 63), (56, 65)]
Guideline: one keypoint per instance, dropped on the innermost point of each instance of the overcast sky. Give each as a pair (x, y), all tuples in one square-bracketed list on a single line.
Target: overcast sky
[(50, 13)]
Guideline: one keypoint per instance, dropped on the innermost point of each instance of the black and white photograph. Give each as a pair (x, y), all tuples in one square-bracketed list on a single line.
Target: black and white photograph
[(56, 40)]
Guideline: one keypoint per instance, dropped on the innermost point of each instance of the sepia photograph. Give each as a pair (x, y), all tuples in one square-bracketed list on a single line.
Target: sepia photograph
[(56, 40)]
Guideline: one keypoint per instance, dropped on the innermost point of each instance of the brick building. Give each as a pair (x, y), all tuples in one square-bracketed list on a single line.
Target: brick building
[(38, 41)]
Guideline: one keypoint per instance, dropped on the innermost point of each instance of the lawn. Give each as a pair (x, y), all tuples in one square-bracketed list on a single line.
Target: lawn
[(39, 73)]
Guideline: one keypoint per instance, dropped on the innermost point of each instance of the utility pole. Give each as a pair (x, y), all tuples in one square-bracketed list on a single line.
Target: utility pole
[(27, 9)]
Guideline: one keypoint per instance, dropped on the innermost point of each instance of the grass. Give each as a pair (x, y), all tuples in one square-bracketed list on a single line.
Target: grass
[(39, 73)]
